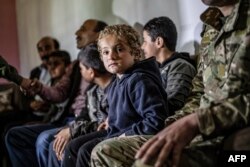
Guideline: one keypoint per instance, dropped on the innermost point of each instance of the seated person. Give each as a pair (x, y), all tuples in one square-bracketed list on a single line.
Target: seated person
[(92, 70), (45, 47), (58, 62), (177, 68)]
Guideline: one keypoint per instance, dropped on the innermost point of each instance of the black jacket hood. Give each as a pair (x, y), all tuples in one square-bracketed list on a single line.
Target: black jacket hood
[(148, 66)]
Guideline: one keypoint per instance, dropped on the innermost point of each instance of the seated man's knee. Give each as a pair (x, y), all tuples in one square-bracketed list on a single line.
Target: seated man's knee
[(44, 139), (239, 140), (11, 135), (104, 146)]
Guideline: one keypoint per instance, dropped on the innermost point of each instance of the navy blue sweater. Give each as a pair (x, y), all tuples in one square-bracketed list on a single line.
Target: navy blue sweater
[(137, 101)]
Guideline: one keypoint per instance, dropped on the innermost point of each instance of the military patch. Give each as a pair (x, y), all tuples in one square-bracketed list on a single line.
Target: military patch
[(221, 70)]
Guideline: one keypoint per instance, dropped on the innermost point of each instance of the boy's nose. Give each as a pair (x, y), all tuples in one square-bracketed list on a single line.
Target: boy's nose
[(113, 55)]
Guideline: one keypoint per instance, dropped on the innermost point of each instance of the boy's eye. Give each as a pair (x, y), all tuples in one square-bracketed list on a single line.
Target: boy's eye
[(119, 49), (105, 52)]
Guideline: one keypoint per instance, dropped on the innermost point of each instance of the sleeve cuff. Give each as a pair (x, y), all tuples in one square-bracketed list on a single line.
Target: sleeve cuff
[(205, 122)]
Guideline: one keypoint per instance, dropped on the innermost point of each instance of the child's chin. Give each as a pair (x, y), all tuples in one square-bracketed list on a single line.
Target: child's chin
[(113, 70)]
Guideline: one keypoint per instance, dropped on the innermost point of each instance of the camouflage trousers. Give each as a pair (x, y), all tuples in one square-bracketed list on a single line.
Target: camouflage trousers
[(120, 152)]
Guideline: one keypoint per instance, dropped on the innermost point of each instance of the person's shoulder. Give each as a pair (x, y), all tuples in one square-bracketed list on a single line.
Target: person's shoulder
[(139, 79), (37, 68), (35, 72)]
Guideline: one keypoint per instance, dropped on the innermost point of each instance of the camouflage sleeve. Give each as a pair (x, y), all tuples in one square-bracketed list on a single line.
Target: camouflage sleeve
[(9, 72), (232, 112), (193, 101), (3, 67)]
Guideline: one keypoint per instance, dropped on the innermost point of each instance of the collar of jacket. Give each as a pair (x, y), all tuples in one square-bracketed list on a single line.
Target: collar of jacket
[(237, 20)]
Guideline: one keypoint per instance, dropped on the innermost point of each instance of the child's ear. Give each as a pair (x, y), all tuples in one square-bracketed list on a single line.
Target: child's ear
[(159, 42), (92, 73)]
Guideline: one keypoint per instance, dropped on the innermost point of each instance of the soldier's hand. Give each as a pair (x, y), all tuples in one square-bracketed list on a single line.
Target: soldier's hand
[(26, 83), (167, 146)]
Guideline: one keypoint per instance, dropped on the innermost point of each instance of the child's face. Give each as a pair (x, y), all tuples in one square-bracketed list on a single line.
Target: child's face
[(56, 67), (116, 55), (87, 73), (149, 48)]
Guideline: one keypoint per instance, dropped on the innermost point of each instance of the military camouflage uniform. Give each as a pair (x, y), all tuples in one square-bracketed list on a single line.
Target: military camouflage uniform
[(9, 72), (220, 97)]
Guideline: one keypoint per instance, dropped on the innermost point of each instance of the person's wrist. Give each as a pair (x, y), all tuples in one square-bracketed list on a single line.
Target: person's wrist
[(192, 120)]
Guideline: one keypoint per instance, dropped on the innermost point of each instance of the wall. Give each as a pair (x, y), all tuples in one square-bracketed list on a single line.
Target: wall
[(61, 18), (8, 33)]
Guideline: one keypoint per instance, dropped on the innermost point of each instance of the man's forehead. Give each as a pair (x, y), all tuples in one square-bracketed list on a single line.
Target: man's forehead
[(46, 41), (89, 25)]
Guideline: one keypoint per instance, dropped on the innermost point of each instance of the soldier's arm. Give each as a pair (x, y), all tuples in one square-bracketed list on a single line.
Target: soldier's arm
[(9, 72), (233, 112)]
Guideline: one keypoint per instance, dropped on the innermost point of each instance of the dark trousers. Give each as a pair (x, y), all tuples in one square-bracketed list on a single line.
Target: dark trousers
[(78, 151), (9, 119), (21, 144)]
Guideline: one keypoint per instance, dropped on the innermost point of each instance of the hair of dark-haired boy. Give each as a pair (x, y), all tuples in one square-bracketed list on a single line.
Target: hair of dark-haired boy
[(100, 26), (63, 55), (90, 58), (162, 27)]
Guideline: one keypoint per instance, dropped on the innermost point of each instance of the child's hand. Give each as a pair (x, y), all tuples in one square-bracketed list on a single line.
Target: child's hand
[(61, 140), (35, 86), (37, 105), (30, 87), (103, 126)]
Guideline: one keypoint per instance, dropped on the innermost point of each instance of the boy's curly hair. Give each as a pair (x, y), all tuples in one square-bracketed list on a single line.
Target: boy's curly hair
[(126, 34)]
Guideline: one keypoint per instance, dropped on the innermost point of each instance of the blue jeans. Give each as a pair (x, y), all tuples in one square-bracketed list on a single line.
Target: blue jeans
[(53, 161), (42, 146), (21, 144)]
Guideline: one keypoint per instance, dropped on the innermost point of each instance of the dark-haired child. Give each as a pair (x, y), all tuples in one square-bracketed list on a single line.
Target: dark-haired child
[(93, 71)]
